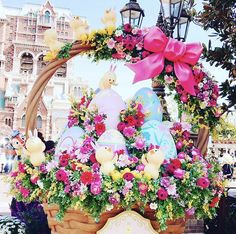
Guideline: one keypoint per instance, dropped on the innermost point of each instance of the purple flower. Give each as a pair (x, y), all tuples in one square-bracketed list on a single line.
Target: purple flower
[(181, 155), (190, 211), (179, 173), (95, 167), (114, 200), (140, 167), (165, 181)]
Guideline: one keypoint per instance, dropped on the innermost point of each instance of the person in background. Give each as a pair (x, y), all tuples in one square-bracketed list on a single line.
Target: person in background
[(227, 164)]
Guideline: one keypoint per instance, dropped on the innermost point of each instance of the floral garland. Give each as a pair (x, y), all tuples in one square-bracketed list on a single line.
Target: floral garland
[(74, 179), (127, 43)]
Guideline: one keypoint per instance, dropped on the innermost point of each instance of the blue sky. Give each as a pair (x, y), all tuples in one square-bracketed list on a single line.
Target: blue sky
[(93, 11)]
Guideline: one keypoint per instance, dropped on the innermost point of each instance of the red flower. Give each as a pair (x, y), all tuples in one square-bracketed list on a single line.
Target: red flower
[(119, 38), (119, 152), (127, 28), (64, 160), (61, 175), (121, 126), (175, 164), (129, 46), (92, 158), (162, 194), (86, 177), (128, 176), (140, 115), (214, 201), (145, 54), (100, 128), (203, 182), (131, 120)]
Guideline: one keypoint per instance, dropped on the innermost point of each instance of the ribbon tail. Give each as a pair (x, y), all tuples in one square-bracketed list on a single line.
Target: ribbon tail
[(147, 68), (185, 76)]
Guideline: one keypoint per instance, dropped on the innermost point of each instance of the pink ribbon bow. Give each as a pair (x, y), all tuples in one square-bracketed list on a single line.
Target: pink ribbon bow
[(181, 54)]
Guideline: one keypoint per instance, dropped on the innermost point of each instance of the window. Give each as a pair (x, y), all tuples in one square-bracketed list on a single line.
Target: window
[(61, 72), (23, 121), (8, 122), (47, 17), (26, 63), (40, 64), (39, 122)]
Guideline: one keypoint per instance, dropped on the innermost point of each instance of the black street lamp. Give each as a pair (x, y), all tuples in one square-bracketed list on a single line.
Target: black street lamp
[(132, 13), (174, 18)]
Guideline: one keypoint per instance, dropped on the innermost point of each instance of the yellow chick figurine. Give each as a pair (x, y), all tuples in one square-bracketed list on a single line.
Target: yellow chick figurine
[(104, 155), (152, 162), (80, 28), (50, 39), (109, 20), (35, 148), (108, 79)]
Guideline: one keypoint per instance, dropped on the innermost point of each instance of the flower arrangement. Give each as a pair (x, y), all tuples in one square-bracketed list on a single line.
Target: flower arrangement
[(74, 179), (9, 225)]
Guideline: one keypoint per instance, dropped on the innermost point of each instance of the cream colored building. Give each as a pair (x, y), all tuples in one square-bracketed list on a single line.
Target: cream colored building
[(21, 60)]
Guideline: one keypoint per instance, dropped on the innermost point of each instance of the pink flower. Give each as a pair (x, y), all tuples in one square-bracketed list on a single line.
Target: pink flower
[(139, 143), (129, 131), (135, 31), (121, 126), (61, 175), (25, 192), (111, 43), (95, 188), (179, 173), (203, 182), (162, 194), (169, 68), (98, 119), (139, 46), (181, 155), (127, 28), (114, 199), (143, 188), (128, 176), (165, 181), (34, 179), (179, 145), (190, 211), (21, 167), (135, 59)]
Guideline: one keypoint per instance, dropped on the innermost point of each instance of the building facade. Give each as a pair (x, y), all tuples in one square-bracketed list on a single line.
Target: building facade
[(21, 60)]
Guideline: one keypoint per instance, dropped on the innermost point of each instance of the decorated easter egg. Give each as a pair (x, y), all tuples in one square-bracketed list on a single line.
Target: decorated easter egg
[(151, 104), (70, 138), (113, 139), (156, 133), (110, 103)]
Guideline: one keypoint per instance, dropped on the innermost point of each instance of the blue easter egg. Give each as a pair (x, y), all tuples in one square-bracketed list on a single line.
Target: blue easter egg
[(151, 104), (156, 133), (70, 139)]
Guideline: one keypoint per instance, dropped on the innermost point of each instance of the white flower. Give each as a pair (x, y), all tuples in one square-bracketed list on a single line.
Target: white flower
[(109, 207), (40, 184), (128, 57), (118, 33), (200, 85), (153, 206)]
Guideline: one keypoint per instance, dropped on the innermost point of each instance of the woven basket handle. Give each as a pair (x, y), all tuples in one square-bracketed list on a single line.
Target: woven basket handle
[(35, 94)]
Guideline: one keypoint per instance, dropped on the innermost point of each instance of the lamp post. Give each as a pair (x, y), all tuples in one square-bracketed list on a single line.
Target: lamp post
[(132, 13)]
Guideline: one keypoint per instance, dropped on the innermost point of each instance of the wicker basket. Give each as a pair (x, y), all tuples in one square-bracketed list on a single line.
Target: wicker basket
[(77, 222)]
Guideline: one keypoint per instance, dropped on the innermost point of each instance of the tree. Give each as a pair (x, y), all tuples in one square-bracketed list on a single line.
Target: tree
[(220, 16)]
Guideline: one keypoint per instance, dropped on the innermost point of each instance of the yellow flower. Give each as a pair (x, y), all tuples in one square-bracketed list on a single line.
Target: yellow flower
[(125, 170), (147, 176), (102, 31), (116, 175), (51, 55), (110, 29), (159, 214), (190, 204), (137, 175)]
